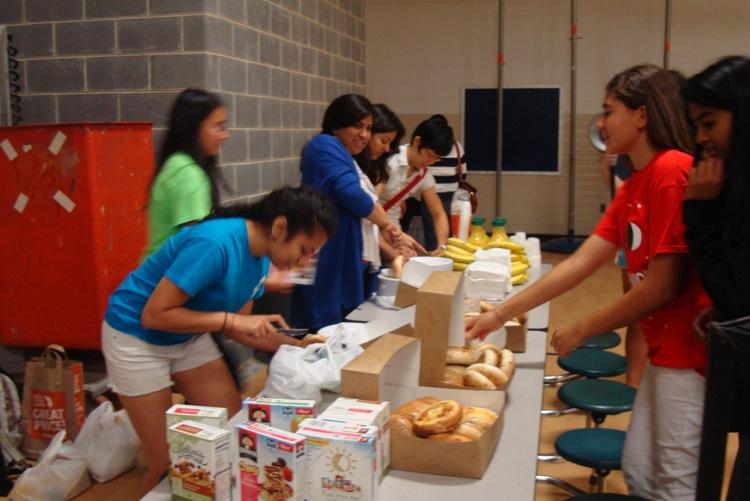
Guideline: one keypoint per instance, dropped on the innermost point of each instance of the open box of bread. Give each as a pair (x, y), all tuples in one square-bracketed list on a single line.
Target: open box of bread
[(439, 325), (389, 370)]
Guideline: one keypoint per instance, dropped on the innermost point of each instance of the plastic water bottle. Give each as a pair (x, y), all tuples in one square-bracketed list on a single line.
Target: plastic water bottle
[(460, 214)]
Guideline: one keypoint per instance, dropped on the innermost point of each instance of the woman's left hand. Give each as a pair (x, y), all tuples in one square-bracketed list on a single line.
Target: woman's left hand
[(567, 338), (705, 180), (410, 243)]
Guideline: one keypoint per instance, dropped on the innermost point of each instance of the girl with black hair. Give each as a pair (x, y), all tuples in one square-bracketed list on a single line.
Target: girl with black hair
[(716, 212), (387, 133), (204, 279), (346, 260), (185, 185)]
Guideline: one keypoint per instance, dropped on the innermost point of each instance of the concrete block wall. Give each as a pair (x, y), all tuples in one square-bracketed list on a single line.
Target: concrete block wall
[(276, 64)]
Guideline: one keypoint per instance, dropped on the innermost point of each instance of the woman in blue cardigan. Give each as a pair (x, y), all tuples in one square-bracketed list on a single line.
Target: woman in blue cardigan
[(345, 260)]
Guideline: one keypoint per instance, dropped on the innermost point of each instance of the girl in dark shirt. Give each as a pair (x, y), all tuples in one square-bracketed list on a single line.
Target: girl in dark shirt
[(716, 213)]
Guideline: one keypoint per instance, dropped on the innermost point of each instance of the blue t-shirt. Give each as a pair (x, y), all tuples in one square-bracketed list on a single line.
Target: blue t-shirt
[(210, 261)]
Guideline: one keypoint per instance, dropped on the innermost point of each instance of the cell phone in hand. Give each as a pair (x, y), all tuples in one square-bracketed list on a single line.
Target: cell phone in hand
[(295, 333), (697, 155)]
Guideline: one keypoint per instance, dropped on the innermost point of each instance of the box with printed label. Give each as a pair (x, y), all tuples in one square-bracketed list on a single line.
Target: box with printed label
[(215, 416), (365, 412), (199, 467), (280, 413), (271, 464), (341, 460)]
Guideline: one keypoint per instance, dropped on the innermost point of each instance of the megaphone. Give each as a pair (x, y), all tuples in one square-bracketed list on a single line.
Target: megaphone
[(595, 135)]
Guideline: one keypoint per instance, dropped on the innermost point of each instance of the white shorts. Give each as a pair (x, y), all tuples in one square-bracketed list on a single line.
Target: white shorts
[(660, 459), (136, 367)]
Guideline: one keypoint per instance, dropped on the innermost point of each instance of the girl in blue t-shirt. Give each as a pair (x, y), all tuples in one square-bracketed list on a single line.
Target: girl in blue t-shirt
[(204, 279)]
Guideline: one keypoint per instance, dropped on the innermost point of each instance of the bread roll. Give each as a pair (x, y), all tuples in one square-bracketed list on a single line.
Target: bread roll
[(451, 377), (507, 362), (460, 356), (428, 400), (497, 376), (410, 410), (400, 425), (458, 369), (448, 437), (478, 380), (397, 266), (483, 418), (481, 347), (489, 357), (484, 306), (469, 430), (440, 417)]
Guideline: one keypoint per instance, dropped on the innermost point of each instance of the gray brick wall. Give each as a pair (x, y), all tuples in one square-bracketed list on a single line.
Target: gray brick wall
[(276, 64)]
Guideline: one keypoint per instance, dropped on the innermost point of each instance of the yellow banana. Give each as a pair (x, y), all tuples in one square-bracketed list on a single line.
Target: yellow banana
[(459, 266), (459, 258), (458, 250), (511, 246), (518, 258), (518, 268), (456, 242), (515, 279)]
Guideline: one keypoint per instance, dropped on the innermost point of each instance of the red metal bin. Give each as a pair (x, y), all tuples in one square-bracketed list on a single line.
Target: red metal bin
[(72, 225)]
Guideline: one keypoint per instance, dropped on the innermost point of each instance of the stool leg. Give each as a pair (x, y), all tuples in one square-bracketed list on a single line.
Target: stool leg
[(562, 484), (596, 480)]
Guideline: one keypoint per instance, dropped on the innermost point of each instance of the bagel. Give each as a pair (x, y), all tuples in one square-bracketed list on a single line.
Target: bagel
[(460, 356), (411, 409), (497, 376), (481, 347), (448, 437), (507, 362), (440, 417), (484, 306), (478, 380), (401, 425), (397, 266), (428, 400), (489, 357), (469, 430), (453, 378), (479, 416), (458, 369)]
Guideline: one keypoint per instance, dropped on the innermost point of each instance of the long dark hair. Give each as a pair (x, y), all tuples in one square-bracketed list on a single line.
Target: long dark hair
[(659, 91), (725, 85), (306, 209), (189, 110), (345, 111), (383, 120)]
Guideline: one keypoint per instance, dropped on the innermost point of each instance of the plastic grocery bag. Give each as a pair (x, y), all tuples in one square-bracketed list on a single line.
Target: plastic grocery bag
[(302, 373), (108, 442), (59, 474)]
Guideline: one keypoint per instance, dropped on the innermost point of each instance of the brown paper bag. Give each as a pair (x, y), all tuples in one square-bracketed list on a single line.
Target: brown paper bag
[(52, 399)]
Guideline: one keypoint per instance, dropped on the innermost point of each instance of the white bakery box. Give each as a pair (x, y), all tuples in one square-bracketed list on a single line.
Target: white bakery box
[(388, 370)]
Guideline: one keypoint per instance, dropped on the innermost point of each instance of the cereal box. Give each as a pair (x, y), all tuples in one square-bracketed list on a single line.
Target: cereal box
[(199, 462), (271, 464), (341, 460), (280, 413), (215, 416), (365, 412)]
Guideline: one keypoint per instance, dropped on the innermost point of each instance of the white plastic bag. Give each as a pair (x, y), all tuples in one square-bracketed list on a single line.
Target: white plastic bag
[(59, 474), (109, 443), (301, 373)]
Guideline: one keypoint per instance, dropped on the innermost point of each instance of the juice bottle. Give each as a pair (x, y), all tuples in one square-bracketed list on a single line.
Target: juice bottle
[(477, 236), (498, 231), (460, 214)]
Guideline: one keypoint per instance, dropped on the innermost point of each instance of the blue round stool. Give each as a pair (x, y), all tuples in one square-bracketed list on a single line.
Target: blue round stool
[(593, 363), (597, 448), (605, 497), (599, 397), (603, 341)]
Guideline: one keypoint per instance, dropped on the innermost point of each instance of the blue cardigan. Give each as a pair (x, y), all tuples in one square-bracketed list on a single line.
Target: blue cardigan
[(339, 281)]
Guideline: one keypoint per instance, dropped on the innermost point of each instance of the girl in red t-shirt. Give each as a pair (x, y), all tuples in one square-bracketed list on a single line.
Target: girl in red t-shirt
[(644, 119)]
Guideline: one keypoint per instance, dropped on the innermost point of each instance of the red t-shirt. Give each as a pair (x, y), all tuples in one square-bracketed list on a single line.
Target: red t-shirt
[(645, 219)]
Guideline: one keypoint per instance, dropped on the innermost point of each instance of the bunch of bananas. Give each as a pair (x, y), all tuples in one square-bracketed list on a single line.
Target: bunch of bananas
[(462, 254)]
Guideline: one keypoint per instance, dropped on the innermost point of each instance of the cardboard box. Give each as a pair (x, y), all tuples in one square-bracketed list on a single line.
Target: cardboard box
[(406, 295), (199, 462), (271, 464), (341, 461), (283, 414), (388, 370), (516, 334), (365, 412), (215, 416)]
